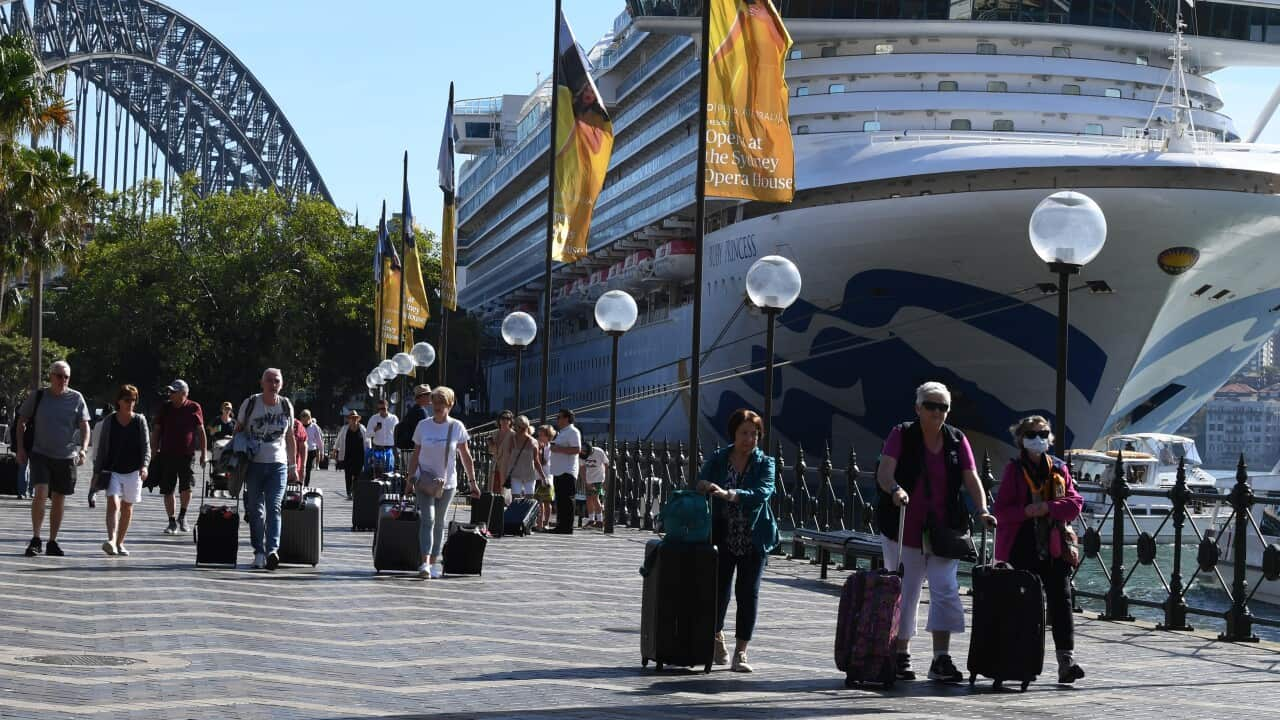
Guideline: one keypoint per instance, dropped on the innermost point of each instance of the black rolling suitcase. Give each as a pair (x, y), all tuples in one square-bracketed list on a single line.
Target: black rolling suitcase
[(368, 494), (8, 475), (1006, 641), (489, 510), (301, 526), (519, 517), (395, 544), (678, 606), (464, 549)]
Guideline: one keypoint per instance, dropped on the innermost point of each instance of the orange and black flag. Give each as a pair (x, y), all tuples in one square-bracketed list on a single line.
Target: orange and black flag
[(584, 142), (748, 141)]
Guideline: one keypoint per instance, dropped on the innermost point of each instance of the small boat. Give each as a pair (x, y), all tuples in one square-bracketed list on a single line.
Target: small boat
[(674, 261), (1267, 518), (1153, 515), (615, 275), (635, 269), (597, 284)]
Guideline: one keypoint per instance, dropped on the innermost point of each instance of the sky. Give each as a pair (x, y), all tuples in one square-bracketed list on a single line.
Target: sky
[(364, 82)]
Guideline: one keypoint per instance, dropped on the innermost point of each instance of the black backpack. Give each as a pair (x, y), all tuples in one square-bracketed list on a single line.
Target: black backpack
[(406, 427), (28, 437)]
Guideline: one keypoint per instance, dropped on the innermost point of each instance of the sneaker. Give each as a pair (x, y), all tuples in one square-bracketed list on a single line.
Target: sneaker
[(120, 550), (51, 548), (740, 662), (182, 526), (904, 667), (109, 547), (437, 571), (273, 561), (259, 560), (34, 547), (173, 527), (944, 670), (92, 503), (424, 571), (1068, 675), (721, 652)]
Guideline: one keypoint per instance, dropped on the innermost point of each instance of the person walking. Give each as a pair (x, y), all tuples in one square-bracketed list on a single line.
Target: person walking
[(526, 467), (595, 466), (382, 433), (178, 433), (350, 446), (545, 493), (49, 420), (300, 443), (564, 469), (923, 466), (740, 480), (408, 424), (120, 460), (438, 442), (1035, 507), (499, 448), (315, 443), (268, 419), (225, 425)]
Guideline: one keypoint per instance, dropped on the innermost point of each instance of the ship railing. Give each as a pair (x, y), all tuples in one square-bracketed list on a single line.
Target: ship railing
[(1003, 139)]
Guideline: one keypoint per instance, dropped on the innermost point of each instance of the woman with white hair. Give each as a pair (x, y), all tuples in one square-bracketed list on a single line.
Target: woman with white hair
[(923, 467)]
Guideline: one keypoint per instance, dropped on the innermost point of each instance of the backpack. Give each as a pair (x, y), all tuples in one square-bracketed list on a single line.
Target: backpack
[(686, 518), (29, 435), (407, 426)]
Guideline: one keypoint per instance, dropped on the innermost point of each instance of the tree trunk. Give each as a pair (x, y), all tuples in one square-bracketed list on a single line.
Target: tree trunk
[(4, 291), (37, 325)]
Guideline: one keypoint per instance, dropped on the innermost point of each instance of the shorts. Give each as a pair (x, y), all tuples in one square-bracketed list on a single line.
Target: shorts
[(523, 487), (595, 489), (170, 469), (127, 487), (58, 473)]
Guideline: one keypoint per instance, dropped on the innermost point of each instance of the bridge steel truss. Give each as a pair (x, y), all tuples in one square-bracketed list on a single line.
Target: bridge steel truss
[(167, 77)]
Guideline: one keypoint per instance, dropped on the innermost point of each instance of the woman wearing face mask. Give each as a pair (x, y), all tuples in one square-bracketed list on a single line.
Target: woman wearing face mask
[(1035, 508)]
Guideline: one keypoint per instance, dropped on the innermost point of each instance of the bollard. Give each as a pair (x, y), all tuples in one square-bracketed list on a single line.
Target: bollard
[(1117, 603), (1239, 619), (1175, 606)]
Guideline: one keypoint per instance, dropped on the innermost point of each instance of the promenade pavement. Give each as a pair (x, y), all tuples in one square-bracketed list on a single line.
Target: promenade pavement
[(549, 631)]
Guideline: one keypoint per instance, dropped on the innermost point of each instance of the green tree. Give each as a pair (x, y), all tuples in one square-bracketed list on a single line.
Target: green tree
[(15, 351)]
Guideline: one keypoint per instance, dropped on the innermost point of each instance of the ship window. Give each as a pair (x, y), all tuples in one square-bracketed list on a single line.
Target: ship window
[(1070, 89), (1112, 92), (1002, 126), (871, 126), (796, 54), (829, 51), (948, 86), (986, 48), (802, 91), (836, 88), (1061, 51), (802, 130), (1093, 129), (997, 86), (961, 124), (884, 48), (1141, 59)]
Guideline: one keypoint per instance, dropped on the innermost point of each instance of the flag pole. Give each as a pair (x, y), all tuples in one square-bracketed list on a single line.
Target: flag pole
[(443, 355), (551, 217), (699, 223), (405, 219)]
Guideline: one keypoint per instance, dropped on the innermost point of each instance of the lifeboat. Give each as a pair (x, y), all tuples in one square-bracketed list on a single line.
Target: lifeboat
[(674, 261), (578, 291), (597, 284), (636, 268), (616, 275)]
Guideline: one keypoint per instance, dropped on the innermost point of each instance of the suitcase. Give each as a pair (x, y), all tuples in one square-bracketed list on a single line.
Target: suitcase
[(217, 534), (8, 475), (519, 517), (489, 510), (867, 627), (368, 494), (464, 550), (1006, 640), (301, 526), (678, 605), (395, 542)]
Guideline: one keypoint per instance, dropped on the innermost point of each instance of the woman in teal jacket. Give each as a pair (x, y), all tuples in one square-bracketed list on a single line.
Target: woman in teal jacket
[(740, 480)]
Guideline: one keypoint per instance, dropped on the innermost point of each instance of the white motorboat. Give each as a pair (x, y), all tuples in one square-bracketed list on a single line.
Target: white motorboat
[(1095, 469)]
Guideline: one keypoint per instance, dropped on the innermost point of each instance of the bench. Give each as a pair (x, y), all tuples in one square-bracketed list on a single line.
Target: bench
[(848, 544)]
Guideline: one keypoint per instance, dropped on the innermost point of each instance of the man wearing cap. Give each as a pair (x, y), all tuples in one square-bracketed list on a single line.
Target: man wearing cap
[(349, 446), (315, 443), (420, 411), (178, 432)]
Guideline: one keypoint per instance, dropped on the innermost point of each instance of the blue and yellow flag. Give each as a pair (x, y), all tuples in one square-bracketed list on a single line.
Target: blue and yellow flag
[(448, 225)]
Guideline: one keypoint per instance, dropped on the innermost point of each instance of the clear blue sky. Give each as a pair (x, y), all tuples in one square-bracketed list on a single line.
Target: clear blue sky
[(363, 82)]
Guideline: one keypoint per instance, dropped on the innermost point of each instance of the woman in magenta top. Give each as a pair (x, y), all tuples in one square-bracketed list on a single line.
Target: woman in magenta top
[(923, 467), (1036, 505)]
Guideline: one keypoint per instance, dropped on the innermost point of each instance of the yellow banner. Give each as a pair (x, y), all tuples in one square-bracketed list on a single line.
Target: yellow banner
[(390, 299), (448, 258), (584, 142), (416, 312), (749, 149)]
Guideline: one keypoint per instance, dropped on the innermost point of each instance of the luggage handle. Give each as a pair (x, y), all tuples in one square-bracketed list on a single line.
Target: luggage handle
[(902, 532)]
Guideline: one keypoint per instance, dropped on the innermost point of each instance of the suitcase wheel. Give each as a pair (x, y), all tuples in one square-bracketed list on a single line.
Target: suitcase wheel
[(644, 662), (706, 668), (850, 682), (1025, 683), (973, 679), (997, 684), (657, 665)]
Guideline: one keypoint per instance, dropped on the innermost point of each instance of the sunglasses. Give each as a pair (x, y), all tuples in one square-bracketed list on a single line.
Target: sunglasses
[(60, 375), (935, 406), (1037, 433)]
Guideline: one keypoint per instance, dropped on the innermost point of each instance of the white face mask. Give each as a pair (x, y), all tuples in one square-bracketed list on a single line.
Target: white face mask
[(1037, 445)]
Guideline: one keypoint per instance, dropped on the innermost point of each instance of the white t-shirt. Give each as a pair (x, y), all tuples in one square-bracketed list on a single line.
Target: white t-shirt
[(382, 430), (594, 466), (431, 436), (267, 428), (564, 463), (315, 439)]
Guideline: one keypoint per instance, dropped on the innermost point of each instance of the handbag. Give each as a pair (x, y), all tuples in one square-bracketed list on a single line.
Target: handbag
[(944, 540), (1064, 544), (433, 485)]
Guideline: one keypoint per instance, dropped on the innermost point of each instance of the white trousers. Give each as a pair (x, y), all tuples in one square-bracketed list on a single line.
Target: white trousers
[(946, 614)]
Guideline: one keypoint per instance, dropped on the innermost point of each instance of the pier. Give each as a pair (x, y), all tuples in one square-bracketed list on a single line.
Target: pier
[(549, 631)]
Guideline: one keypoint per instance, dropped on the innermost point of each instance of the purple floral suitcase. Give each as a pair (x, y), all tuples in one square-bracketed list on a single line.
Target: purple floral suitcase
[(868, 627)]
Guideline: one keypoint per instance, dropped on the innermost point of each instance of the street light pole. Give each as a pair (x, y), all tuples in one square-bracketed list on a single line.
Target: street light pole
[(519, 357), (773, 284), (1064, 271), (611, 479), (37, 323), (772, 315)]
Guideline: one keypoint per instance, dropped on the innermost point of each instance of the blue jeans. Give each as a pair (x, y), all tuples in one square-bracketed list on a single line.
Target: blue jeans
[(750, 568), (264, 486), (22, 480), (434, 514)]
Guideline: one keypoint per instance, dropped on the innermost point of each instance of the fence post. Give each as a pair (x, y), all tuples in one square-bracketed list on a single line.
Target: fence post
[(781, 501), (1239, 619), (649, 474), (1175, 606), (1117, 603), (802, 501), (830, 512)]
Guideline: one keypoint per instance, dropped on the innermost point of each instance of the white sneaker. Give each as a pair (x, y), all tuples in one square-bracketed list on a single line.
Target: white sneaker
[(121, 550), (424, 571), (259, 560), (437, 570), (109, 547)]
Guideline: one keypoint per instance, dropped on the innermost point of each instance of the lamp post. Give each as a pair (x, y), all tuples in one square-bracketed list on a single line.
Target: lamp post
[(518, 330), (424, 356), (773, 284), (1067, 231), (616, 313), (404, 368), (386, 371)]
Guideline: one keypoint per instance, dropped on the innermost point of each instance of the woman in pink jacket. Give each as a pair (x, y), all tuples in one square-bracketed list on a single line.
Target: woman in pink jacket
[(1035, 507)]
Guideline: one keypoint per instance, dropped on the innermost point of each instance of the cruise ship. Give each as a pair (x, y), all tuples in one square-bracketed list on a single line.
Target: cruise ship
[(926, 132)]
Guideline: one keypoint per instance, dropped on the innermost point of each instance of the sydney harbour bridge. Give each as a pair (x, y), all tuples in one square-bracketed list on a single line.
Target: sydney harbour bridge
[(157, 96)]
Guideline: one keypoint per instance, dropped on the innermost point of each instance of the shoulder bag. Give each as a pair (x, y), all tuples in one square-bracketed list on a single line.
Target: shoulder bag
[(944, 540), (431, 484)]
